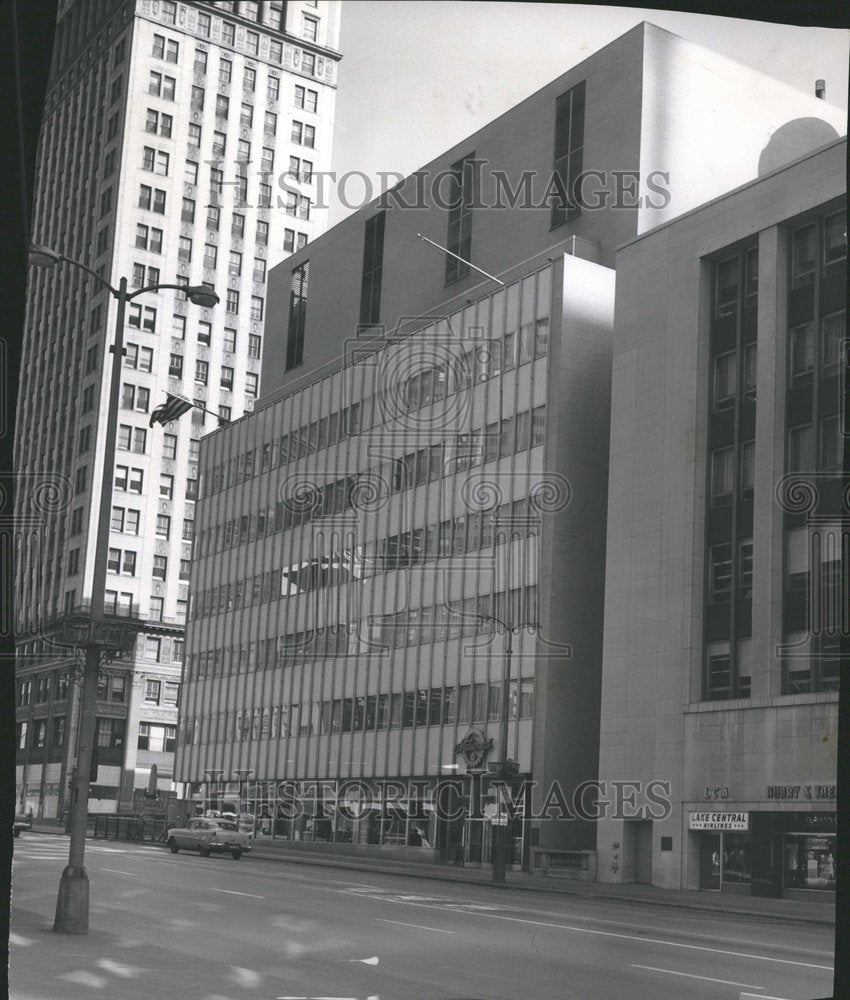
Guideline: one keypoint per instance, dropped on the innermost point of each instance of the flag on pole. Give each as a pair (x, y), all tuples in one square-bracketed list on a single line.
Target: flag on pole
[(171, 409)]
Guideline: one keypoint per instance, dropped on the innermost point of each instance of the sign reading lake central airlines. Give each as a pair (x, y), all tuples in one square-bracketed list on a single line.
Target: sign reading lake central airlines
[(718, 821)]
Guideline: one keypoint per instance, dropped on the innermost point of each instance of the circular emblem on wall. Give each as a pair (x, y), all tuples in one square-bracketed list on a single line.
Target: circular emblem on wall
[(474, 747)]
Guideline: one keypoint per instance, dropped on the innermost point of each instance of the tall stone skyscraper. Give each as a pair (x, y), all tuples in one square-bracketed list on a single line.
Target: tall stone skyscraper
[(179, 144)]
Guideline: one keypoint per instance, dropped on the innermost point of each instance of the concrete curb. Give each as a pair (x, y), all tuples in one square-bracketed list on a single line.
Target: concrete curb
[(453, 876), (440, 876)]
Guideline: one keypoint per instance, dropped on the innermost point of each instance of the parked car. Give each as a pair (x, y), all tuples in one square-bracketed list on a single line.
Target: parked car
[(21, 823), (206, 835)]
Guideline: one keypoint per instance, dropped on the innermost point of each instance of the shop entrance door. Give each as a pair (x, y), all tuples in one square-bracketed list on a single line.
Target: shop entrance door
[(709, 861)]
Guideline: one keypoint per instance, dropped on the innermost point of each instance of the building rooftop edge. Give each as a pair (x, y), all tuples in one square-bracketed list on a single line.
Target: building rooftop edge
[(819, 151)]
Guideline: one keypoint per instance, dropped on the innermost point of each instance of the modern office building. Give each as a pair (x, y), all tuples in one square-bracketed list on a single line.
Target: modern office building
[(168, 131), (429, 464), (725, 602)]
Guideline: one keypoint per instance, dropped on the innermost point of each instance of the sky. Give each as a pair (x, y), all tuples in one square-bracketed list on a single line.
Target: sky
[(418, 76)]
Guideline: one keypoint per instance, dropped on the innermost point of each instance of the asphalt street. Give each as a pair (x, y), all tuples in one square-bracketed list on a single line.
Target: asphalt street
[(183, 927)]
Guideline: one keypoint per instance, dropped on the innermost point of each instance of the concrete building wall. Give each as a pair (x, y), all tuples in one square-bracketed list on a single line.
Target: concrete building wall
[(699, 106), (571, 587), (653, 724), (668, 126)]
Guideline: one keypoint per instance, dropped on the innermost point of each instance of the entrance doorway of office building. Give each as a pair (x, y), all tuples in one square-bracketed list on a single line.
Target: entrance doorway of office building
[(637, 851)]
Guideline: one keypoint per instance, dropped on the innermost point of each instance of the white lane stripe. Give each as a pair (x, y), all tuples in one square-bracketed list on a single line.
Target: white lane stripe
[(690, 975), (118, 871), (420, 927), (624, 937), (232, 892)]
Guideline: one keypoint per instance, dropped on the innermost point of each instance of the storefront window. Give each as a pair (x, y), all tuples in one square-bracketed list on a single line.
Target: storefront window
[(736, 858), (809, 862)]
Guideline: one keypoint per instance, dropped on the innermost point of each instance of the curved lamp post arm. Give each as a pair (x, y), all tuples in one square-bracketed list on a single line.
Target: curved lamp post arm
[(189, 290), (50, 257)]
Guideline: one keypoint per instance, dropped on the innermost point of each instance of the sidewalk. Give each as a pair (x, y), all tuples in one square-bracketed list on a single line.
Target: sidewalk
[(780, 909), (723, 903)]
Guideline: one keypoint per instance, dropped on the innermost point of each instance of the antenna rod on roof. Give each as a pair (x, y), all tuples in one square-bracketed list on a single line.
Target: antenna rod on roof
[(425, 239)]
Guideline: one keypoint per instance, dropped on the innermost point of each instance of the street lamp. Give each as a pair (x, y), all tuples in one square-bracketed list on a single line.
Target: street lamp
[(72, 904), (499, 845)]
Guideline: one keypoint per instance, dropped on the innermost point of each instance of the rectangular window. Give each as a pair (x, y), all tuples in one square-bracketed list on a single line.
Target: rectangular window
[(834, 239), (273, 83), (160, 567), (110, 733), (567, 160), (725, 380), (804, 249), (800, 448), (722, 469), (175, 366), (750, 371), (748, 456), (745, 569), (229, 340), (373, 262), (726, 290), (459, 228), (751, 276), (831, 444), (254, 346), (297, 315), (802, 352), (222, 106), (833, 340), (718, 671)]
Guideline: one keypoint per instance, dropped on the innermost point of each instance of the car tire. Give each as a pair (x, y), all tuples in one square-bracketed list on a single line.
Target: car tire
[(204, 852), (236, 853), (172, 845)]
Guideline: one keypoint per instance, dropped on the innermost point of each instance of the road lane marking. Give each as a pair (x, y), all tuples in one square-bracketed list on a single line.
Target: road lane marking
[(420, 927), (646, 940), (690, 975), (624, 937), (232, 892), (118, 871)]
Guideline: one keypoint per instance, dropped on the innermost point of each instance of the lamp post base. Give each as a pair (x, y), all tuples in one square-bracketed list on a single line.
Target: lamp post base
[(72, 904), (498, 849)]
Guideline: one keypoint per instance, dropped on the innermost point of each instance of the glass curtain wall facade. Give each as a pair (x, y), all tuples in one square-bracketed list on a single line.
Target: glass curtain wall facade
[(356, 540)]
